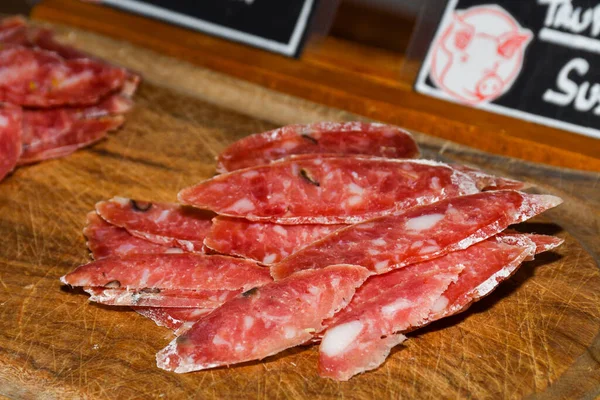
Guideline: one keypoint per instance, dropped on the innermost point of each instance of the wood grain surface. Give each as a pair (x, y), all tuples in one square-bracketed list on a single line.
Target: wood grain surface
[(367, 81), (537, 336)]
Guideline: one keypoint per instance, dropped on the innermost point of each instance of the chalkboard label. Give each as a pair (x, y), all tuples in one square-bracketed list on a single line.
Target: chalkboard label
[(279, 26), (534, 60)]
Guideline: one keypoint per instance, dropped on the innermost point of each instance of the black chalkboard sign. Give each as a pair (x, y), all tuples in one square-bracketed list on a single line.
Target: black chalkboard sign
[(275, 25), (534, 60)]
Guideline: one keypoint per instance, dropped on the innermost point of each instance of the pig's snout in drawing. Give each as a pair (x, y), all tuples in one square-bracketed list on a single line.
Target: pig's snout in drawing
[(489, 87)]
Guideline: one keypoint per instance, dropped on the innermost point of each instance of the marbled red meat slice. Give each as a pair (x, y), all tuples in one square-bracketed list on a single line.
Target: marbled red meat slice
[(106, 240), (487, 181), (15, 31), (164, 223), (10, 137), (264, 242), (418, 234), (329, 190), (49, 133), (81, 133), (178, 320), (186, 271), (481, 276), (323, 137), (39, 78), (162, 298), (360, 337), (264, 321)]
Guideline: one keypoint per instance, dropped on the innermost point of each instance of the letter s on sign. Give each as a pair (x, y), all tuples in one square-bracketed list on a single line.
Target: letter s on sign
[(568, 87)]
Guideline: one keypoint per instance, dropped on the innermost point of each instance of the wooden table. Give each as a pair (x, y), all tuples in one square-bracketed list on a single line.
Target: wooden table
[(536, 336)]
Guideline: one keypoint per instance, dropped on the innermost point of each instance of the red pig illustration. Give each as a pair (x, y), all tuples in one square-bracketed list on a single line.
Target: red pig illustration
[(479, 55)]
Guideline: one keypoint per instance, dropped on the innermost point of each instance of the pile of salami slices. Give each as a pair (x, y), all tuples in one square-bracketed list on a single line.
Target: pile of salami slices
[(54, 99), (330, 233)]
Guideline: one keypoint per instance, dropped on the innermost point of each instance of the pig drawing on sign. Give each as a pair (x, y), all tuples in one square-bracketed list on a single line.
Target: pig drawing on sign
[(479, 55)]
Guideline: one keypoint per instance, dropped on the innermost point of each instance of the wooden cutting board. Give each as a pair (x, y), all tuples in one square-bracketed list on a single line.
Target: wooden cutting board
[(536, 336)]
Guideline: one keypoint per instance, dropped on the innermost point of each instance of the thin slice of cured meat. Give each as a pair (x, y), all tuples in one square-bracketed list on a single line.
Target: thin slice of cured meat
[(10, 137), (163, 298), (14, 30), (81, 134), (163, 223), (39, 78), (64, 129), (323, 137), (264, 242), (360, 337), (483, 180), (487, 181), (264, 321), (188, 271), (178, 320), (106, 240), (500, 260), (418, 234), (330, 190)]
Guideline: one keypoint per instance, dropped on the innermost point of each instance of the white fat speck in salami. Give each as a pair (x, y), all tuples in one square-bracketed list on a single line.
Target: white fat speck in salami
[(337, 339)]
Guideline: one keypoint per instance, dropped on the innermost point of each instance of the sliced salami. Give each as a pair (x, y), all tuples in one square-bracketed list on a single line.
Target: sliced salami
[(503, 256), (486, 181), (418, 234), (10, 137), (40, 78), (15, 31), (170, 271), (162, 298), (264, 321), (360, 337), (178, 320), (324, 137), (50, 144), (106, 240), (264, 242), (163, 223), (329, 190)]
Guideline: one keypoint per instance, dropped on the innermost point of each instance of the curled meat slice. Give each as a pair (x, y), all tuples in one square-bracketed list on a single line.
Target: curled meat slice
[(170, 271), (163, 298), (264, 242), (328, 190), (323, 137), (55, 142), (264, 321), (10, 137), (360, 337), (420, 233), (163, 223), (487, 181), (178, 320), (106, 240), (15, 31), (39, 78), (482, 276)]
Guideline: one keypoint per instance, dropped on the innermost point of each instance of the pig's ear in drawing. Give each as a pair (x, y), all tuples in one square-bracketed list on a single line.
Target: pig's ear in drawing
[(510, 43), (461, 33)]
